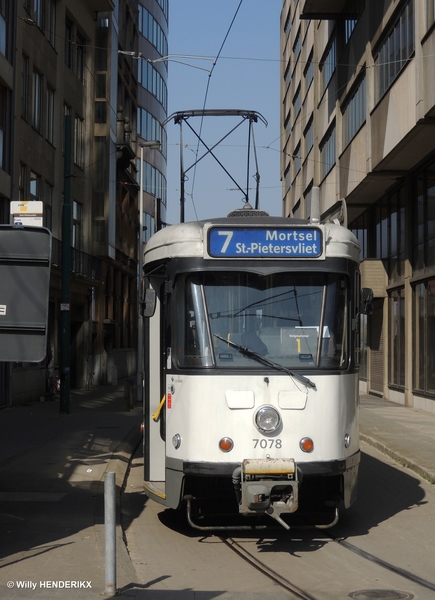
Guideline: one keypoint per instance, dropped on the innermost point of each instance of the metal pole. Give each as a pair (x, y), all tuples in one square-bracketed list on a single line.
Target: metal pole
[(110, 532), (182, 174), (65, 301), (139, 287), (154, 145)]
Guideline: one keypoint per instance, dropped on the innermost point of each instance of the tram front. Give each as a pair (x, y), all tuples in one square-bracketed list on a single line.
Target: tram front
[(253, 361)]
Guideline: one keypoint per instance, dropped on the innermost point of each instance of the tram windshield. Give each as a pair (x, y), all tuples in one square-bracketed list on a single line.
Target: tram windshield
[(294, 320)]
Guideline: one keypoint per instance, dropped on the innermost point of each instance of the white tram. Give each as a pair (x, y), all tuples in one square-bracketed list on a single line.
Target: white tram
[(251, 387)]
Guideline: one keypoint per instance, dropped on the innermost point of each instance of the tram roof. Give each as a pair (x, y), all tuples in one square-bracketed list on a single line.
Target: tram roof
[(187, 239)]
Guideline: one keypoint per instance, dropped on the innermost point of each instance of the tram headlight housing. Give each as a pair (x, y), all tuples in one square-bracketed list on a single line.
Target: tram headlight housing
[(267, 419), (226, 444), (306, 444)]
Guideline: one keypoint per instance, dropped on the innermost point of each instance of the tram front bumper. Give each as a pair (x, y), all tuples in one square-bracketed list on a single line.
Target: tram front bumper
[(267, 486)]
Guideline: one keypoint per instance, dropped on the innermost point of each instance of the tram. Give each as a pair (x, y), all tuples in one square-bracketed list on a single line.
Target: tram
[(251, 386)]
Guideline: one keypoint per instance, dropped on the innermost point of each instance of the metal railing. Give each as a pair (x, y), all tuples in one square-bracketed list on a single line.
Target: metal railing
[(82, 263)]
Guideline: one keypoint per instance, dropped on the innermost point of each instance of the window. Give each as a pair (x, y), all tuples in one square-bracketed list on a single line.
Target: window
[(2, 130), (328, 64), (69, 40), (349, 26), (396, 253), (327, 152), (307, 199), (78, 142), (148, 128), (279, 316), (423, 227), (297, 45), (102, 36), (100, 111), (51, 25), (424, 340), (287, 26), (3, 27), (35, 186), (75, 47), (48, 203), (309, 72), (22, 183), (49, 133), (77, 216), (352, 12), (25, 88), (359, 228), (4, 210), (150, 79), (5, 126), (354, 112), (397, 338), (297, 159), (38, 12), (80, 49), (37, 100), (66, 112), (430, 13), (309, 136), (297, 102), (152, 31), (395, 51), (100, 85)]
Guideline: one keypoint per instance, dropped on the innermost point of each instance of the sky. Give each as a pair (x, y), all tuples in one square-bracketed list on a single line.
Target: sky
[(245, 76)]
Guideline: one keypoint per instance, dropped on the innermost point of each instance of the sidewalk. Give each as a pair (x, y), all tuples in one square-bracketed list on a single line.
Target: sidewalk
[(405, 434), (52, 471)]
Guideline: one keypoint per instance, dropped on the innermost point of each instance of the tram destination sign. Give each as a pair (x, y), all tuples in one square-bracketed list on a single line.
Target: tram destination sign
[(265, 242)]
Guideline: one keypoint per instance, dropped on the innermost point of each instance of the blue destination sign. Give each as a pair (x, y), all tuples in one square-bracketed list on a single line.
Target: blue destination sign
[(265, 242)]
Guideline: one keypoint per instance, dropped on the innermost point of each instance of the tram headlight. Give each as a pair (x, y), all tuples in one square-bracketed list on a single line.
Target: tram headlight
[(176, 441), (347, 440), (267, 419)]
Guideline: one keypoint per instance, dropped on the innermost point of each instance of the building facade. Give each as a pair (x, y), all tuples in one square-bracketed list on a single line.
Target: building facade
[(78, 59), (358, 107)]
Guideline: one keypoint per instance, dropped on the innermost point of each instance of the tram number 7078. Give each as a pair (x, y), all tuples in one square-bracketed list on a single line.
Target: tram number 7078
[(264, 443)]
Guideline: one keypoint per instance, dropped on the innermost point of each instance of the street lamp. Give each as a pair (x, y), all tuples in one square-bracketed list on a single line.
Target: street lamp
[(154, 145)]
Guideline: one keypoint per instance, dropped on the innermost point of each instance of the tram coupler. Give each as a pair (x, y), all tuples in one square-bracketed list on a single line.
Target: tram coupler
[(267, 486)]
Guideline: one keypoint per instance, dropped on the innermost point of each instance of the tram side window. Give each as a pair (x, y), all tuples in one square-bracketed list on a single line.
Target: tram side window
[(335, 325), (193, 340)]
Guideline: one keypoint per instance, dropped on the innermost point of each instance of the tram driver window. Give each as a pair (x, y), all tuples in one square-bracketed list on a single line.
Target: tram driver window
[(193, 340)]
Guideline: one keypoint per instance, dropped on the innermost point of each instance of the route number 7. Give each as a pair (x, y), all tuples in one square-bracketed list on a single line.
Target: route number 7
[(228, 235)]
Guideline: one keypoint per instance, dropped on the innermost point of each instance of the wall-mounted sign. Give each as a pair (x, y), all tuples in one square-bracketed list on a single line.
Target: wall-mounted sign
[(27, 213)]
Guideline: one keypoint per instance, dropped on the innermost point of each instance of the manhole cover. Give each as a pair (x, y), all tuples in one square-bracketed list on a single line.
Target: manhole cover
[(380, 595)]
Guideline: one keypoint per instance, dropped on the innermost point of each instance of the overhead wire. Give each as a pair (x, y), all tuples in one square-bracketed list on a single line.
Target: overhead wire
[(206, 97)]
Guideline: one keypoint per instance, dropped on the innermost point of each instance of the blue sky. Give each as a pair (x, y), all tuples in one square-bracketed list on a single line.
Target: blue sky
[(246, 76)]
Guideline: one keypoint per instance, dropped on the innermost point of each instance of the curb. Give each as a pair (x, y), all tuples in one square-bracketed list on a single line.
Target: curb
[(406, 462)]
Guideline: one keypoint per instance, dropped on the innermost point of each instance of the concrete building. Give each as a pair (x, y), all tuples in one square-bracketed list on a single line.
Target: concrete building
[(358, 108), (80, 58)]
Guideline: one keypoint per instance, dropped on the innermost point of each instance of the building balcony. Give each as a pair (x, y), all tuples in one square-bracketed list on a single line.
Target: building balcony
[(322, 9), (101, 5), (82, 264)]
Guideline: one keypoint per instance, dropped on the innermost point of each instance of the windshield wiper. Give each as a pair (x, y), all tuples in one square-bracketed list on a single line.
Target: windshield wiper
[(264, 361)]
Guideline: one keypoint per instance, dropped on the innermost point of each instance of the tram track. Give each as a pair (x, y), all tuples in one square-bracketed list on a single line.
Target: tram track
[(298, 593), (385, 564)]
